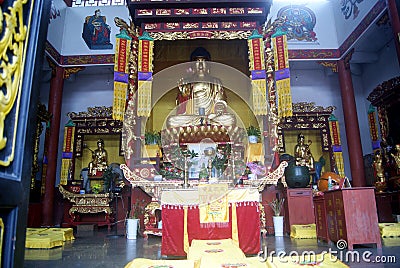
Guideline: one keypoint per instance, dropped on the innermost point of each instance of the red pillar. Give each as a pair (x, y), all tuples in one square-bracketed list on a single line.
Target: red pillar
[(54, 107), (393, 11), (351, 123)]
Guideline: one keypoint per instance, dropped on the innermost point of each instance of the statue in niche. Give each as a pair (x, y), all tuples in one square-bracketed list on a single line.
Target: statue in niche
[(302, 153), (201, 99), (99, 159), (96, 32)]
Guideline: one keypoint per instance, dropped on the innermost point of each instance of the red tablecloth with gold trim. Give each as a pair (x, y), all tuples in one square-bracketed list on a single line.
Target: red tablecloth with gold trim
[(181, 221)]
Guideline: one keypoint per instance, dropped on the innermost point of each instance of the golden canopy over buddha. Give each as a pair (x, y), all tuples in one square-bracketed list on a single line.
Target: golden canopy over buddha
[(201, 98)]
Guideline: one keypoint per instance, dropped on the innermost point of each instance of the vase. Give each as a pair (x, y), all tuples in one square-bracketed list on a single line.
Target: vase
[(278, 225), (253, 139), (131, 228), (297, 176)]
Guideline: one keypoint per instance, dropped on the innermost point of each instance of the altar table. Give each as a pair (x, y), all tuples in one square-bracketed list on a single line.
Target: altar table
[(181, 221)]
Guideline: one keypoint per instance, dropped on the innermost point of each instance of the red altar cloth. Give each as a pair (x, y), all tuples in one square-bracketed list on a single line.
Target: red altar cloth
[(248, 226)]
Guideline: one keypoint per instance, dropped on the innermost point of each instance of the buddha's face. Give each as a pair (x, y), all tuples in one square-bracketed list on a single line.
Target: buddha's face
[(100, 144), (201, 65)]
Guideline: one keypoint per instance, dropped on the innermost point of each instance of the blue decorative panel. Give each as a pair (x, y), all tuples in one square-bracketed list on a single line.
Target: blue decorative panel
[(300, 23)]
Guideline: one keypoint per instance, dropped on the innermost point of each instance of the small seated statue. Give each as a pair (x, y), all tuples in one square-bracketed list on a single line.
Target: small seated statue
[(99, 159), (302, 153), (396, 157), (201, 98)]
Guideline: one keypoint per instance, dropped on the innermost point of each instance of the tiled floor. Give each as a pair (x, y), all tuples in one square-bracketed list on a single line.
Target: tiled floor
[(97, 249)]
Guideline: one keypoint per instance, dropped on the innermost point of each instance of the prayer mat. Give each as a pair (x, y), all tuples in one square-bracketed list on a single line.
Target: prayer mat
[(209, 253), (389, 229), (303, 231), (44, 240), (67, 233), (47, 237)]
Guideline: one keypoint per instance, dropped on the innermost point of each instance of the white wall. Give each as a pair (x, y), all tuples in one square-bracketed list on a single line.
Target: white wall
[(68, 29), (57, 25), (345, 27)]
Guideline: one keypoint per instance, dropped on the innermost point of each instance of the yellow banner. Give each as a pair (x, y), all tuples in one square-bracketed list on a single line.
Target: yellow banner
[(144, 98), (119, 102), (339, 163), (259, 89), (284, 98), (65, 169)]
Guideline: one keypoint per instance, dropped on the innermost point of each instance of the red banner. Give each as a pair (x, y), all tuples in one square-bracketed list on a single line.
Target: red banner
[(335, 134), (68, 139), (121, 60), (280, 50), (257, 54), (372, 127), (145, 53)]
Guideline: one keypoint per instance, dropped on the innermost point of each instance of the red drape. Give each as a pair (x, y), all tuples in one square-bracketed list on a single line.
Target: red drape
[(248, 222)]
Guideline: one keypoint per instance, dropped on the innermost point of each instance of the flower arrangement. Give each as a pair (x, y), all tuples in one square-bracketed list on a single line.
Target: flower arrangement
[(257, 168), (277, 205), (138, 209)]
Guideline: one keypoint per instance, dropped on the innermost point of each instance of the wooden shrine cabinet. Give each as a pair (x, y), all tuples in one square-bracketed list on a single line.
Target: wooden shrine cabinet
[(351, 216), (298, 207), (313, 122), (320, 218)]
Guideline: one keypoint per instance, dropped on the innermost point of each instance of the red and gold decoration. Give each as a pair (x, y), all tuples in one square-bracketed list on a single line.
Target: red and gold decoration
[(336, 144), (121, 74), (145, 74), (282, 74), (373, 128), (68, 148), (383, 122), (258, 74)]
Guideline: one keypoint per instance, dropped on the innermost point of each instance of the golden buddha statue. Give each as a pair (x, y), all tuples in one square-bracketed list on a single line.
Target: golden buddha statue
[(302, 153), (99, 159), (201, 98)]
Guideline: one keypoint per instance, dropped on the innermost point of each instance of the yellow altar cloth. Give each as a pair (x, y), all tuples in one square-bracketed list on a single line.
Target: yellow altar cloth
[(147, 263), (190, 197), (152, 150), (254, 152)]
